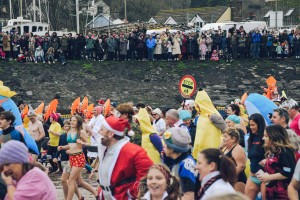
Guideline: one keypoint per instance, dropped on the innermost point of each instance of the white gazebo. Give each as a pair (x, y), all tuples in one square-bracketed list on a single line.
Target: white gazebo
[(152, 21), (170, 21)]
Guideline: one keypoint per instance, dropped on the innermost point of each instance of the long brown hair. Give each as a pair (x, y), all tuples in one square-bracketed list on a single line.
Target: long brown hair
[(225, 165), (79, 125), (279, 138)]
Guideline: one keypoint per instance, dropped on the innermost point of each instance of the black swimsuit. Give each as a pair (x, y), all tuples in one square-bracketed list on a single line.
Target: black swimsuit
[(242, 175)]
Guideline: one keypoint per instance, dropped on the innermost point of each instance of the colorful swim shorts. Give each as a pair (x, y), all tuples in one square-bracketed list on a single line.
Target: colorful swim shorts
[(77, 159)]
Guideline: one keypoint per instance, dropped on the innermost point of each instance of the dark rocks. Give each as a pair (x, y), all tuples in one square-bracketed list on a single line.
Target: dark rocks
[(152, 83)]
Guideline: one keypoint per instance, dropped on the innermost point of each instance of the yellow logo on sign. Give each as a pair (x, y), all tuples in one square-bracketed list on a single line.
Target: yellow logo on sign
[(187, 86)]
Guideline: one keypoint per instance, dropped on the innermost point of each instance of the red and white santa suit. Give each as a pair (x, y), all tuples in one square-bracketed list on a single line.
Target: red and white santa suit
[(121, 167)]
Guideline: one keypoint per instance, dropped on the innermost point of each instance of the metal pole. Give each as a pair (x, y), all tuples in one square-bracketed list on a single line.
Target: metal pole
[(276, 14), (48, 18), (10, 10), (93, 5), (125, 7), (21, 12), (33, 5), (40, 10), (77, 15)]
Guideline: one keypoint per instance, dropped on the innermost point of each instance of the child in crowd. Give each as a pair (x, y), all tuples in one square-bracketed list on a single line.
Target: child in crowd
[(15, 48), (21, 58), (2, 54), (61, 57), (170, 47), (203, 49), (279, 50), (159, 184), (29, 56), (214, 56), (285, 49), (39, 55), (50, 55)]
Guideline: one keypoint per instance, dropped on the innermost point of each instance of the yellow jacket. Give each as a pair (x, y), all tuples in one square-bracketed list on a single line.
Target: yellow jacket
[(207, 134), (147, 129)]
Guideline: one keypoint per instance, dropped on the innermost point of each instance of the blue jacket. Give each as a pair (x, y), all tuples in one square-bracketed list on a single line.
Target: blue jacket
[(256, 38), (270, 40), (150, 43)]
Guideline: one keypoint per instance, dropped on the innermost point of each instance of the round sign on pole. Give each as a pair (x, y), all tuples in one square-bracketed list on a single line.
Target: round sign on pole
[(187, 86)]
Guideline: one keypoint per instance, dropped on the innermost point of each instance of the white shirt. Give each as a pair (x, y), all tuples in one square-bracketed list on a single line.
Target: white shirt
[(95, 123), (218, 188), (160, 125), (147, 196), (177, 124), (105, 167)]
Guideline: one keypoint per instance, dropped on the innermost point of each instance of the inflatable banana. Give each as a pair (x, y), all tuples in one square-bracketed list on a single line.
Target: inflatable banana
[(207, 134), (147, 129)]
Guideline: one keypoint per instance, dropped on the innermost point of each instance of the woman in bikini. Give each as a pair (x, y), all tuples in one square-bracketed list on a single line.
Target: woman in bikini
[(76, 138)]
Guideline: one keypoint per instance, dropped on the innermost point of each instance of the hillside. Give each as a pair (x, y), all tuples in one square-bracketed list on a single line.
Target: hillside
[(154, 83)]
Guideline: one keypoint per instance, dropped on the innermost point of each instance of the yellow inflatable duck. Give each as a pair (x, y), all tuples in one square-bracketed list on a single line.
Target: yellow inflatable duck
[(5, 91), (207, 134), (147, 129)]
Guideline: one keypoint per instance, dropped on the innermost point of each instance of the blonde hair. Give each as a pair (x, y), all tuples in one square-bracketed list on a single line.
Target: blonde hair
[(233, 132)]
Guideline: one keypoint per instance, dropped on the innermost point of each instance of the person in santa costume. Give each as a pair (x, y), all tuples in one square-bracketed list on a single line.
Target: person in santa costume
[(122, 164)]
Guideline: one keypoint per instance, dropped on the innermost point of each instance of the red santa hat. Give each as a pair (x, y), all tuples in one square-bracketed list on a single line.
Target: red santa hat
[(118, 126)]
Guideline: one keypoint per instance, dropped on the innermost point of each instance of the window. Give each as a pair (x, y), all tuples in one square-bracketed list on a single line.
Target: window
[(100, 9), (34, 28), (40, 28)]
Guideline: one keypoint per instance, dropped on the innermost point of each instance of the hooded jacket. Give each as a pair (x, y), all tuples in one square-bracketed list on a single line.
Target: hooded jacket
[(147, 129), (207, 134), (39, 52)]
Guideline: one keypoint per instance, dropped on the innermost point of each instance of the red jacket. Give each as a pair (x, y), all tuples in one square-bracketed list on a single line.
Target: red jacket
[(132, 163)]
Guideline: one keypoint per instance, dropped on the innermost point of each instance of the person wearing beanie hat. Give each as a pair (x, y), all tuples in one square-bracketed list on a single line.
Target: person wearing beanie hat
[(233, 121), (54, 133), (186, 117), (23, 180), (121, 164), (177, 146)]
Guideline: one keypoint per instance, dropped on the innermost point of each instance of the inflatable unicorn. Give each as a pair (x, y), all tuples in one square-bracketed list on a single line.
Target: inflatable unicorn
[(9, 105)]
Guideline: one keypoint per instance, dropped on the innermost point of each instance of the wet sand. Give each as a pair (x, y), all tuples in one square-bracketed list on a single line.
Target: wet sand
[(86, 194)]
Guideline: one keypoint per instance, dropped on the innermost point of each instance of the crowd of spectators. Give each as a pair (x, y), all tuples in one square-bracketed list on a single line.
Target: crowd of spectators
[(229, 45)]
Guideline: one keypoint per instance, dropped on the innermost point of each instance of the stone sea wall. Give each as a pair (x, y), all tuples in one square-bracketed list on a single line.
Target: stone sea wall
[(153, 83)]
